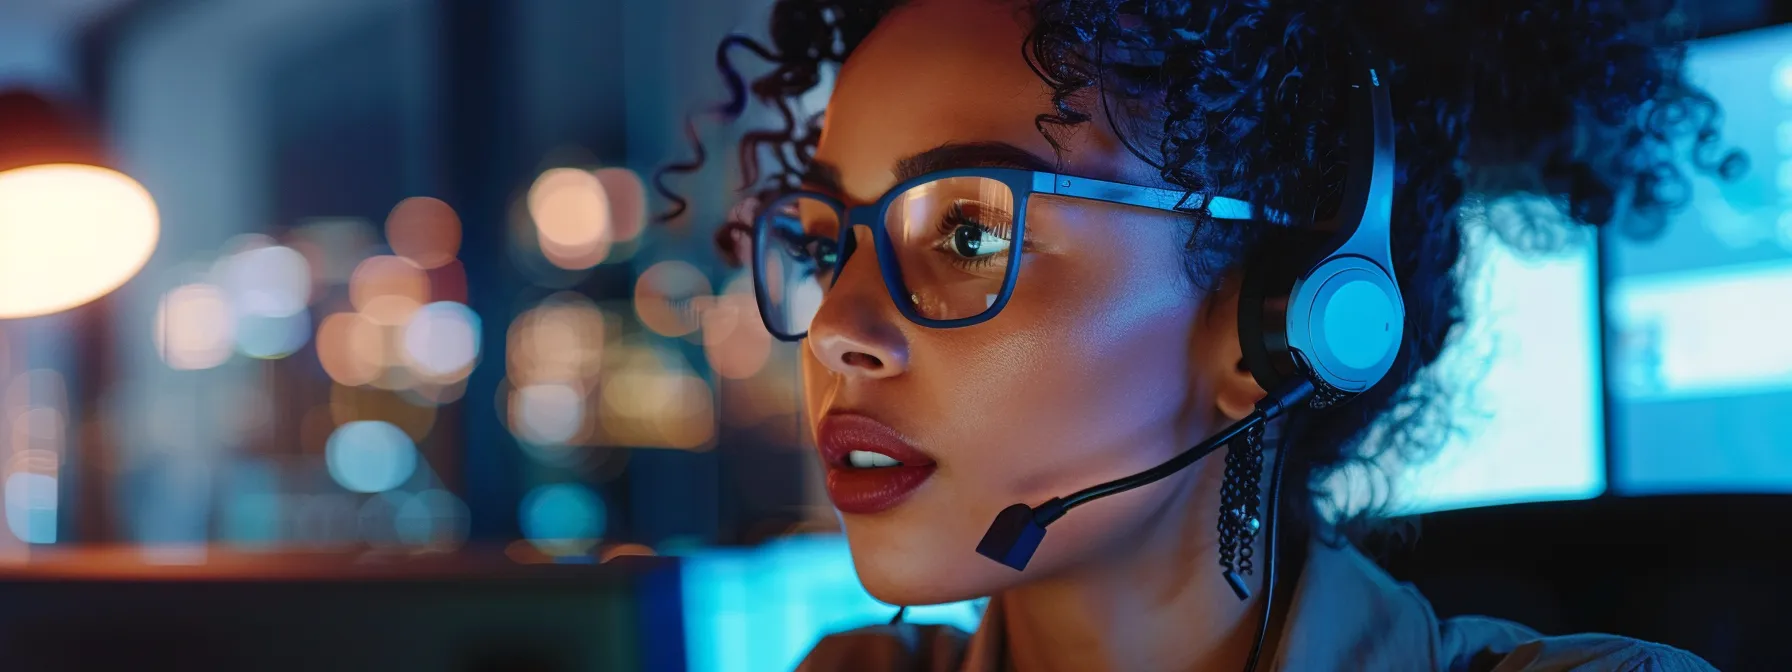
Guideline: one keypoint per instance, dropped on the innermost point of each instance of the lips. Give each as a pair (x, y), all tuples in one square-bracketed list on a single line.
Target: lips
[(867, 490)]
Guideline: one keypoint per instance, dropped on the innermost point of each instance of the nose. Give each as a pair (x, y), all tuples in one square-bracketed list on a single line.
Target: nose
[(856, 332)]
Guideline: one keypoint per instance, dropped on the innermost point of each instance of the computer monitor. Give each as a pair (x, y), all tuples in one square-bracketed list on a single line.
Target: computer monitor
[(1700, 317)]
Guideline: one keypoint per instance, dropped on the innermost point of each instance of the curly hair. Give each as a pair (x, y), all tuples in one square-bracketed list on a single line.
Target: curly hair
[(1581, 102)]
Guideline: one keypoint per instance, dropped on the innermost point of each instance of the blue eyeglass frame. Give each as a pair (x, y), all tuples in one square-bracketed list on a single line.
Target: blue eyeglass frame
[(1022, 185)]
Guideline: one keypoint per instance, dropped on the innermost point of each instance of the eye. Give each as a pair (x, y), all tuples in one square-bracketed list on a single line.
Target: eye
[(969, 237), (972, 240), (822, 250)]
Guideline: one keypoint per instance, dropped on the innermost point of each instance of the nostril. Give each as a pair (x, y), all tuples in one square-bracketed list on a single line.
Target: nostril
[(861, 359)]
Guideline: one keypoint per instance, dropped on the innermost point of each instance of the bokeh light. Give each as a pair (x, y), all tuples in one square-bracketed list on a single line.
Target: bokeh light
[(735, 340), (547, 413), (435, 519), (30, 500), (266, 279), (647, 403), (560, 340), (563, 519), (349, 347), (387, 289), (628, 202), (370, 456), (441, 342), (72, 234), (572, 218), (194, 327), (425, 231), (669, 297), (37, 388), (265, 337), (764, 402), (32, 409)]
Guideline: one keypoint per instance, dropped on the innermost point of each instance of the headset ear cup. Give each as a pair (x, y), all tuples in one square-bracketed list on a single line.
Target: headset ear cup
[(1270, 271), (1255, 320)]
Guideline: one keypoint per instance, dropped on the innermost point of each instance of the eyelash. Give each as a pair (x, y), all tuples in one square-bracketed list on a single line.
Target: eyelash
[(955, 218)]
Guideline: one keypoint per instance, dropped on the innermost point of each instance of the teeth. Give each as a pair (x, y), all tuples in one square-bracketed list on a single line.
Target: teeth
[(865, 459)]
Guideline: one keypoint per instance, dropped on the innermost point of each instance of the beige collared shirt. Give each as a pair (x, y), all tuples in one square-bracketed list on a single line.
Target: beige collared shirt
[(1346, 614)]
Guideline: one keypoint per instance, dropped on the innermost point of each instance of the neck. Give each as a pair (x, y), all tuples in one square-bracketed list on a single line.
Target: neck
[(1160, 605)]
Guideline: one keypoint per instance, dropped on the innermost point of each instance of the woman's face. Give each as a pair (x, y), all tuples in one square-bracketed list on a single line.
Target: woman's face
[(1105, 361)]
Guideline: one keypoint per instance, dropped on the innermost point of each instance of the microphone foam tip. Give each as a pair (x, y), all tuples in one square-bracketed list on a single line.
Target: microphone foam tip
[(1013, 537)]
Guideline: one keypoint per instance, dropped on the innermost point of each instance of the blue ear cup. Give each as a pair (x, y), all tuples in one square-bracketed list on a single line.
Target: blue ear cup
[(1324, 305)]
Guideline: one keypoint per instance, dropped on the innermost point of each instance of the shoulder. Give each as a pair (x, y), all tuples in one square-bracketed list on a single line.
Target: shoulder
[(1480, 644), (880, 648)]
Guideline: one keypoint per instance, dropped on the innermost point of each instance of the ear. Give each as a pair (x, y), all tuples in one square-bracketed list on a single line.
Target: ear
[(1235, 390)]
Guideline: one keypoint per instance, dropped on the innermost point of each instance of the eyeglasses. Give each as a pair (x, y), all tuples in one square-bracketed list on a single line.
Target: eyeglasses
[(948, 243)]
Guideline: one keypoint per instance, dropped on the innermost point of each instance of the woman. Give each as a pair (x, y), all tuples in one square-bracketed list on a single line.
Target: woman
[(940, 394)]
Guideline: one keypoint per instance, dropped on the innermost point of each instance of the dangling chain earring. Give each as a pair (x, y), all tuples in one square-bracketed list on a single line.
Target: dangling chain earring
[(1239, 499)]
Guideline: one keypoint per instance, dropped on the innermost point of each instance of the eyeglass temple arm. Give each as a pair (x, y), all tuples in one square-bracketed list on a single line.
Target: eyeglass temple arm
[(1219, 207)]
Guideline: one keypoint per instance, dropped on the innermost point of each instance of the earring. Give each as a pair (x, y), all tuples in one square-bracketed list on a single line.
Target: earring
[(1239, 500)]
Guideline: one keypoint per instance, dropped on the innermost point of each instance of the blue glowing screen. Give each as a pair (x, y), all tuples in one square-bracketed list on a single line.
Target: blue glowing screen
[(1701, 316)]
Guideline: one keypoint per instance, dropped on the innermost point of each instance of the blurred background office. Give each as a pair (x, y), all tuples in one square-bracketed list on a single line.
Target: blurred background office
[(356, 346)]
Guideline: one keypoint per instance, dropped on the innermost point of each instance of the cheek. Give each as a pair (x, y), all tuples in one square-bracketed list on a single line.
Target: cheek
[(1084, 377), (1089, 373)]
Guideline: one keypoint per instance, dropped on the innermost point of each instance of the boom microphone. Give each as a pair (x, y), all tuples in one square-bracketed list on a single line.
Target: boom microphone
[(1018, 529)]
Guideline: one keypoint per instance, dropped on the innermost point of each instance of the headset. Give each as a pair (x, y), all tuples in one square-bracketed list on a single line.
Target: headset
[(1320, 320)]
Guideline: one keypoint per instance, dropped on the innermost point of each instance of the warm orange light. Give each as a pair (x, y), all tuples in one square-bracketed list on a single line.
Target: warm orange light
[(572, 218), (70, 234), (424, 230), (669, 297), (628, 201), (387, 289), (734, 338), (350, 347), (561, 340), (648, 405)]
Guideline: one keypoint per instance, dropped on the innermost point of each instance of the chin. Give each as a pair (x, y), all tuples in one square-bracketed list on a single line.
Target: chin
[(905, 581), (909, 564)]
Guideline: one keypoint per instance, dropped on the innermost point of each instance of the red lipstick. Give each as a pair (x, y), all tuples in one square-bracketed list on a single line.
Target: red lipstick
[(868, 490)]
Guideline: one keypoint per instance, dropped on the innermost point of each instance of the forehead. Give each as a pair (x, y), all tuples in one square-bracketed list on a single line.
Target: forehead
[(932, 73)]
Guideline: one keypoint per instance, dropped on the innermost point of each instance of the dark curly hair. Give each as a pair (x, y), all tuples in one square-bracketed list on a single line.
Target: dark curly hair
[(1582, 102)]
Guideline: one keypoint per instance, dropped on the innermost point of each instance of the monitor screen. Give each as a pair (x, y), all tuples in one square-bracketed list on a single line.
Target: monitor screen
[(763, 608), (1520, 381), (1700, 317)]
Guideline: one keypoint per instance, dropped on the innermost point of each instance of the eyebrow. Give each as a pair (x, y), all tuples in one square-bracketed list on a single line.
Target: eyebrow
[(970, 155), (944, 157), (824, 176)]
